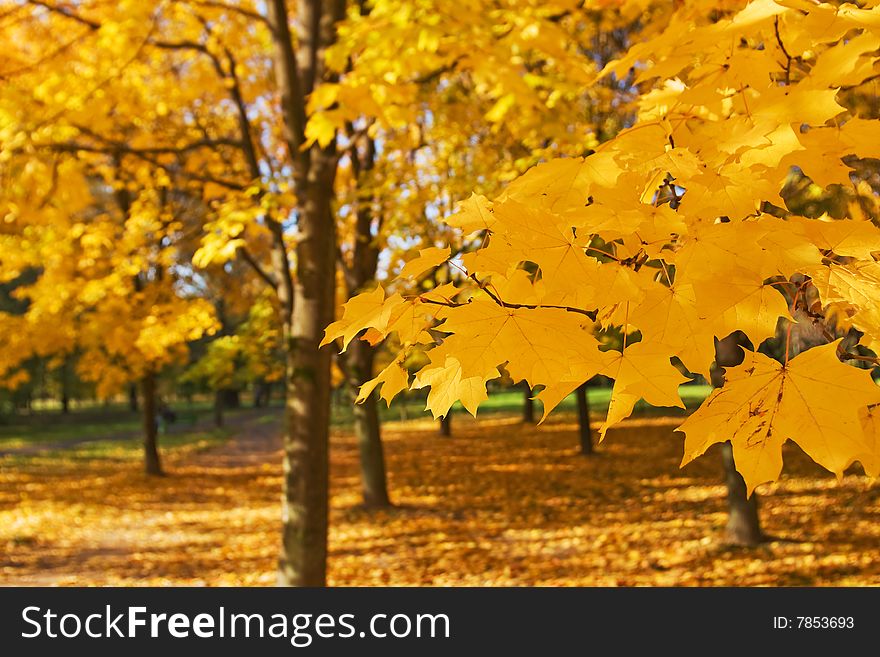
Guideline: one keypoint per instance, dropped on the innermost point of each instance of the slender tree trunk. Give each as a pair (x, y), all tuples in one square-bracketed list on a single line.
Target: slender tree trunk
[(359, 272), (133, 398), (152, 464), (374, 483), (743, 522), (229, 398), (218, 409), (306, 464), (306, 296), (303, 559), (528, 404), (585, 431), (446, 424), (65, 386), (260, 393)]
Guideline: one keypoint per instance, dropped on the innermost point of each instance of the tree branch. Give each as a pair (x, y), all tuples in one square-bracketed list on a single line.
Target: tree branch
[(788, 57), (73, 147), (845, 355), (67, 13), (257, 267), (289, 83), (517, 306), (244, 124)]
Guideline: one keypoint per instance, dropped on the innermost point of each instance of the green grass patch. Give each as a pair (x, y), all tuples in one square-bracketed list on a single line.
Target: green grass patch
[(64, 429), (112, 423), (511, 401), (128, 450)]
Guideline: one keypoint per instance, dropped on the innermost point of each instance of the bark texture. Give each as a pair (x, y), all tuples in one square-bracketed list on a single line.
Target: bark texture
[(585, 431)]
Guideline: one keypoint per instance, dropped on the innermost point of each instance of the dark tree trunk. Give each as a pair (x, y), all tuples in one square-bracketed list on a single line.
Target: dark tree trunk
[(224, 399), (305, 287), (152, 464), (218, 409), (585, 431), (374, 483), (260, 390), (303, 560), (65, 386), (359, 272), (528, 404), (229, 397), (133, 398), (743, 522), (446, 424)]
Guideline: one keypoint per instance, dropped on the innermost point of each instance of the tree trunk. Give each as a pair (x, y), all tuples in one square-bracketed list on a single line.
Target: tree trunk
[(585, 431), (528, 404), (303, 560), (743, 522), (260, 393), (446, 424), (360, 272), (218, 409), (306, 464), (229, 398), (374, 483), (152, 464), (307, 296), (65, 386), (133, 398)]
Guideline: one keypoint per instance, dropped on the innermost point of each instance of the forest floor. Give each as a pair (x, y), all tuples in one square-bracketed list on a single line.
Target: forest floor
[(499, 503)]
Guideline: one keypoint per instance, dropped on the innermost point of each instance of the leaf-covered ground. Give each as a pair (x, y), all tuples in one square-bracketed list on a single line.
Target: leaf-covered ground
[(500, 503)]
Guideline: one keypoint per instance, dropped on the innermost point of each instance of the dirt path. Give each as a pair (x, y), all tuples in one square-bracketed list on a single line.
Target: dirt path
[(256, 439)]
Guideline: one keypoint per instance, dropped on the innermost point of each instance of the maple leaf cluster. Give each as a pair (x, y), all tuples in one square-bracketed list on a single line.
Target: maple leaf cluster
[(672, 235)]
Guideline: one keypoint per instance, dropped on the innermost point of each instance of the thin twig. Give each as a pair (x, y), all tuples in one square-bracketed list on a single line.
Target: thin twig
[(788, 57)]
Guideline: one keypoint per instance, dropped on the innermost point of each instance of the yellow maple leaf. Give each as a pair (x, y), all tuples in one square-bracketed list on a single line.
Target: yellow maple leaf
[(427, 259), (367, 310), (640, 371), (854, 287), (814, 400), (856, 238), (472, 215), (564, 184), (486, 334), (393, 379), (668, 316), (729, 191), (449, 384)]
